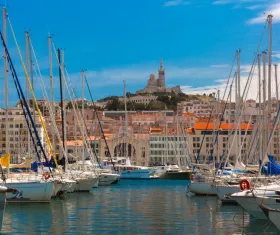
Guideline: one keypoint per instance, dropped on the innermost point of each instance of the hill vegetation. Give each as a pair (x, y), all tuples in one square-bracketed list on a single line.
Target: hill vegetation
[(164, 101)]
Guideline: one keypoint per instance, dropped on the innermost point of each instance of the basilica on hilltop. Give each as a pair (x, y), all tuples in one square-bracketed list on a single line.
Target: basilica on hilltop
[(158, 84)]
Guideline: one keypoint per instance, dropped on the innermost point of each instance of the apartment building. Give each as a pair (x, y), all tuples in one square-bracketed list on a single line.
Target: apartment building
[(204, 136), (169, 145), (17, 136), (198, 107)]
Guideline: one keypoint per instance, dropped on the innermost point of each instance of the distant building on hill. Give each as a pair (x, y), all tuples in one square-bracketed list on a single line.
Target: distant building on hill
[(139, 99), (158, 84)]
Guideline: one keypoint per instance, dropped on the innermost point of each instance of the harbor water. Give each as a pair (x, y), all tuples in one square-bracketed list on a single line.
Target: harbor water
[(133, 207)]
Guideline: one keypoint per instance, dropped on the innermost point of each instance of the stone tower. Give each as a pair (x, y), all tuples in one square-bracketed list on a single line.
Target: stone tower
[(161, 75)]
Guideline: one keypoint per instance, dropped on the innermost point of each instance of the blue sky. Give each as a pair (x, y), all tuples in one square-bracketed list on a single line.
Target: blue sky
[(125, 39)]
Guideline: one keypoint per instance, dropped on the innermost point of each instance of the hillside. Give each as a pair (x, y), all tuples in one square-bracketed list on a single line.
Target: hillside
[(164, 101)]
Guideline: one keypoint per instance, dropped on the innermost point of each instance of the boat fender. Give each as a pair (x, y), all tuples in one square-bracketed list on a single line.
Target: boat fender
[(244, 184), (192, 177), (47, 175)]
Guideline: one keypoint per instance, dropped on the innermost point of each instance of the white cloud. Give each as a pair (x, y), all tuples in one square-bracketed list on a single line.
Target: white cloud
[(220, 66), (276, 55), (254, 7), (221, 85), (273, 9), (175, 3), (222, 2)]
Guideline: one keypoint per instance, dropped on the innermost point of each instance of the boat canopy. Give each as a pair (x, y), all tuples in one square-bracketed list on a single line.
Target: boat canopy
[(271, 167)]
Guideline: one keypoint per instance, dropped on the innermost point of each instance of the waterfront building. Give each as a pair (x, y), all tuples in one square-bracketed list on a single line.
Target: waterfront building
[(138, 147), (198, 107), (168, 147), (75, 149), (18, 134), (226, 145)]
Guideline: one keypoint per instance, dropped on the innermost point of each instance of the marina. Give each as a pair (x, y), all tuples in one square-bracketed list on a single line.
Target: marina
[(165, 159), (133, 207)]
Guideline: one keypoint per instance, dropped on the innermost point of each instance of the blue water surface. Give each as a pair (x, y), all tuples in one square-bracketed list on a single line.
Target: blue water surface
[(133, 207)]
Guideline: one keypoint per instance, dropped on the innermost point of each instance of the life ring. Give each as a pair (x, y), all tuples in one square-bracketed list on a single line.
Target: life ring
[(244, 184), (47, 175), (192, 177)]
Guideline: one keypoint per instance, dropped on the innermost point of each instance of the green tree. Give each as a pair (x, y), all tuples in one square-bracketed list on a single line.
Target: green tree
[(114, 105)]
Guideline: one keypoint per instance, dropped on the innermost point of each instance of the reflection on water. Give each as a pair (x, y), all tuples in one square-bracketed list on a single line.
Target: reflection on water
[(133, 207)]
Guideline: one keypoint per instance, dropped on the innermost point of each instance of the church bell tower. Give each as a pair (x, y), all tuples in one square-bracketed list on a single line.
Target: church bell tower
[(161, 75)]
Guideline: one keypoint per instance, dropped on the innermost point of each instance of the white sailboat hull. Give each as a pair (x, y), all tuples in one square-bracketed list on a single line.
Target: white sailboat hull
[(137, 174), (274, 217), (85, 184), (251, 205), (262, 196), (71, 185), (30, 191), (57, 187), (106, 179), (203, 188), (224, 192)]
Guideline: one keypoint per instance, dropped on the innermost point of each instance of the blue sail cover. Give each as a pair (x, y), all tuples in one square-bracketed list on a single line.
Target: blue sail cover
[(272, 167), (35, 165)]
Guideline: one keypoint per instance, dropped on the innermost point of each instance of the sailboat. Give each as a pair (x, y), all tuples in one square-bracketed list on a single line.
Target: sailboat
[(252, 200), (72, 179), (30, 190), (122, 164), (272, 214)]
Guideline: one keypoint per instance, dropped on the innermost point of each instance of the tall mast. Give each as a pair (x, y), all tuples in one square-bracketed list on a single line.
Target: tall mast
[(218, 108), (230, 108), (269, 22), (166, 144), (75, 132), (27, 86), (238, 76), (260, 107), (4, 11), (83, 114), (265, 124), (178, 152), (277, 102), (64, 108), (276, 82), (126, 122), (31, 78), (61, 102), (238, 102), (51, 87), (236, 95)]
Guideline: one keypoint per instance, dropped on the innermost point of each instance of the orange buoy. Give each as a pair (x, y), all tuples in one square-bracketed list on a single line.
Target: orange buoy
[(244, 184), (47, 175)]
